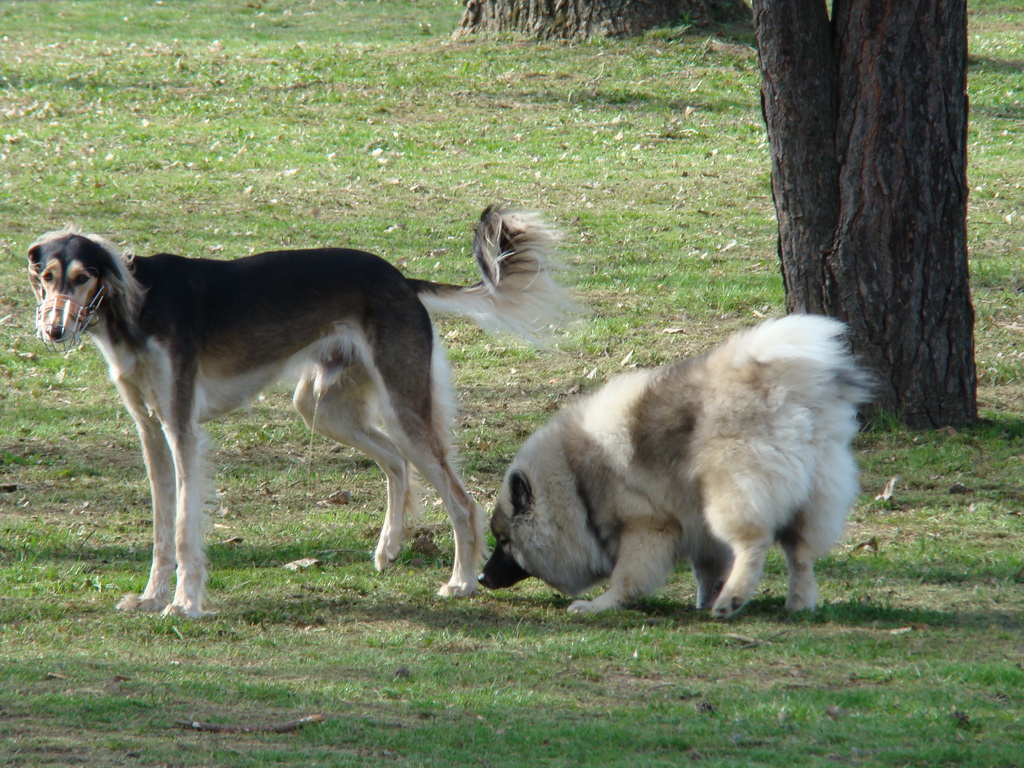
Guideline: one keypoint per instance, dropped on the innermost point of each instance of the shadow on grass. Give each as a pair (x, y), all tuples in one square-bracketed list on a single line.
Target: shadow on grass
[(995, 66), (996, 426), (347, 588), (529, 616)]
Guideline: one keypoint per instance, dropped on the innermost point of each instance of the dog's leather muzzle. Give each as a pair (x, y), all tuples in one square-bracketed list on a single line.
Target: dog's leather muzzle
[(61, 321)]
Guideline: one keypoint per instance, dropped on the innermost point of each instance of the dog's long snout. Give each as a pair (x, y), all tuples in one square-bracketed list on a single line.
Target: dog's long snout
[(62, 320), (502, 570), (52, 331), (53, 315)]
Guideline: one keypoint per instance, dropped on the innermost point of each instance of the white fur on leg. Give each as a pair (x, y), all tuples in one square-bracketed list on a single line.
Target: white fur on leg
[(646, 557), (188, 450), (395, 528), (603, 602), (742, 582), (160, 469), (803, 589), (466, 518), (140, 603)]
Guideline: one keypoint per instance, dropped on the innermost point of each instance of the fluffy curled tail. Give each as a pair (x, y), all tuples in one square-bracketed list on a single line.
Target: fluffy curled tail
[(517, 292), (806, 354)]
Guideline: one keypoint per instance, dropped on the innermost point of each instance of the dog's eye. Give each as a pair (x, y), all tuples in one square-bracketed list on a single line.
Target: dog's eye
[(47, 277), (83, 278)]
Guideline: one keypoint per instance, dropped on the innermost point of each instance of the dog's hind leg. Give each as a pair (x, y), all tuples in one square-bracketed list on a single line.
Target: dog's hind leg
[(800, 557), (468, 526), (424, 441), (160, 468), (417, 440), (413, 387), (466, 517), (423, 435), (342, 412), (818, 524)]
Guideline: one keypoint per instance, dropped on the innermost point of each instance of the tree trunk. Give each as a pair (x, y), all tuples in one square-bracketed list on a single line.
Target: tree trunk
[(575, 19), (867, 124)]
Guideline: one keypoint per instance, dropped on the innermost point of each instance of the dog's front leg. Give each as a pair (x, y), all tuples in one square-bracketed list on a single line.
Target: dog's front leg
[(745, 575), (711, 561), (187, 448), (646, 557), (160, 468)]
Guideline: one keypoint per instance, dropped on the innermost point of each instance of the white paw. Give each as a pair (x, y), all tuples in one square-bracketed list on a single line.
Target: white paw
[(389, 547), (590, 606), (803, 596), (458, 589), (800, 605), (582, 606), (727, 606), (138, 603), (187, 611), (382, 560)]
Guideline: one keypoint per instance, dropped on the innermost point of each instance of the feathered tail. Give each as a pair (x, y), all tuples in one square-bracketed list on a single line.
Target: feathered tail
[(804, 352), (517, 293)]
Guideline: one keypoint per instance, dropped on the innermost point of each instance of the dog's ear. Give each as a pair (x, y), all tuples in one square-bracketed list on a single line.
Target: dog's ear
[(35, 255), (124, 294), (521, 493)]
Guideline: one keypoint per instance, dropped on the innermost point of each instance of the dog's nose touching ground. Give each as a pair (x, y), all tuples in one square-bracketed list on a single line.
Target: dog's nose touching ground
[(501, 570)]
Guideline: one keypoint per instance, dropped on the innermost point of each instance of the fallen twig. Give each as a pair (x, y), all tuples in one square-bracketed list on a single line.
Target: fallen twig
[(291, 725), (750, 642)]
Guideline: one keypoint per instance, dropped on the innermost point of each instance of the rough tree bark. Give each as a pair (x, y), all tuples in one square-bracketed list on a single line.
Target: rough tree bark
[(867, 125), (574, 19)]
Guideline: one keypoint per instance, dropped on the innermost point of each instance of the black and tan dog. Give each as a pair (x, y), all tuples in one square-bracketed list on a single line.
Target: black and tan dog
[(188, 340)]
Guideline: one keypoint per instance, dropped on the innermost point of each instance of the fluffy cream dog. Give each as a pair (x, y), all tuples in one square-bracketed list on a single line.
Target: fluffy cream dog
[(714, 459)]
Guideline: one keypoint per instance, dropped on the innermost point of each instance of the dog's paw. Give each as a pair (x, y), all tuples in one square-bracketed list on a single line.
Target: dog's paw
[(726, 606), (138, 603), (803, 594), (793, 605), (592, 606), (458, 589), (582, 606), (188, 611), (707, 594), (389, 547), (382, 560), (609, 601)]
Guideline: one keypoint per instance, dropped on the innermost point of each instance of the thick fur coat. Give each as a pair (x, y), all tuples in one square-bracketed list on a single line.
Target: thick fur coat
[(712, 459)]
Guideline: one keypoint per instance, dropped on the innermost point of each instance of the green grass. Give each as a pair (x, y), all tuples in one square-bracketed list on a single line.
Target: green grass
[(221, 128)]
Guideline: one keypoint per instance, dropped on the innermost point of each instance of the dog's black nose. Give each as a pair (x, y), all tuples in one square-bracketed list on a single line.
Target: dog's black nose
[(53, 332), (502, 570)]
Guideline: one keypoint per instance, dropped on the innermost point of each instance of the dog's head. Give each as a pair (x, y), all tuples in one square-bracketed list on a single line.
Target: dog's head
[(71, 274), (542, 522)]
